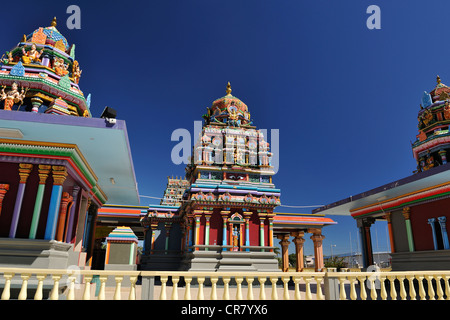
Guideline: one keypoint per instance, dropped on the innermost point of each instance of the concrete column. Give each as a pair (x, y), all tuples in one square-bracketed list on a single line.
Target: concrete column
[(409, 233), (72, 213), (224, 215), (207, 217), (299, 242), (197, 216), (59, 176), (442, 221), (190, 231), (24, 172), (433, 232), (271, 216), (61, 226), (366, 242), (317, 238), (391, 235), (284, 251), (247, 216), (153, 226), (167, 227), (262, 217), (43, 171)]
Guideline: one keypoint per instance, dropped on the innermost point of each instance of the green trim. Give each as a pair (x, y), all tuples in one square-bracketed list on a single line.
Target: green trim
[(68, 152)]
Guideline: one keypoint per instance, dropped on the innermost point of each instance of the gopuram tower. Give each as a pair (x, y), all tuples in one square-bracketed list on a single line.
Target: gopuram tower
[(228, 208)]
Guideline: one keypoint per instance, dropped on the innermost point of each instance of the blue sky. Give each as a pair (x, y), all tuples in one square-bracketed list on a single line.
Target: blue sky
[(344, 98)]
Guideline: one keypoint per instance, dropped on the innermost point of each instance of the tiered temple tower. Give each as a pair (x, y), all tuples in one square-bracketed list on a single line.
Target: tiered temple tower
[(228, 212), (173, 194)]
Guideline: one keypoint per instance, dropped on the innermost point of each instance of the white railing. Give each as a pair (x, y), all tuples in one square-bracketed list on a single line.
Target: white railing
[(72, 284)]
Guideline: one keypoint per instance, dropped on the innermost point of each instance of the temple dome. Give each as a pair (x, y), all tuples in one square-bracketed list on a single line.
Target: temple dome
[(228, 107), (224, 102), (50, 36)]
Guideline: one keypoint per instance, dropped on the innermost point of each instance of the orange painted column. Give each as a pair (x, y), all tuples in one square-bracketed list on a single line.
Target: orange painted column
[(317, 238), (299, 241), (391, 235), (65, 199), (153, 226), (197, 216), (3, 190), (284, 251)]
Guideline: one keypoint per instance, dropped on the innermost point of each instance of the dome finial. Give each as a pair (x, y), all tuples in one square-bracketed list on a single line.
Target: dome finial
[(438, 79), (53, 24), (228, 88)]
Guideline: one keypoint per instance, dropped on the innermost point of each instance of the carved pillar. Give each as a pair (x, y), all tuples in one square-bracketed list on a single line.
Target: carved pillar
[(43, 171), (366, 242), (262, 217), (247, 215), (24, 172), (75, 191), (153, 226), (208, 217), (284, 251), (433, 231), (270, 216), (3, 190), (224, 215), (299, 242), (167, 226), (317, 239), (190, 230), (59, 176), (61, 225), (391, 235), (197, 216), (442, 221), (407, 216)]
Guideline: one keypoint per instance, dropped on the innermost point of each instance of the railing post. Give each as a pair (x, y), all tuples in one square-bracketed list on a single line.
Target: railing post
[(148, 285), (331, 285)]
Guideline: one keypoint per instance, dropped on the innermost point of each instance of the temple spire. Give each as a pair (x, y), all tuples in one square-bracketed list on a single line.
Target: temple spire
[(438, 79), (53, 24), (228, 88)]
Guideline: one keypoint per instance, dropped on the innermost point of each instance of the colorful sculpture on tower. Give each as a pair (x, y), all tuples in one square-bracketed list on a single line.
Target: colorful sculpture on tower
[(12, 96), (432, 144), (44, 62)]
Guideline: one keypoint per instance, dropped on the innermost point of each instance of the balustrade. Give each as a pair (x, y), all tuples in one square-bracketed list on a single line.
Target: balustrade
[(77, 285)]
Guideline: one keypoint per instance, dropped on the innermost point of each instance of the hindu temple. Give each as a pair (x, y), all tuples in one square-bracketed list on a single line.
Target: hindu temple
[(226, 219), (61, 206)]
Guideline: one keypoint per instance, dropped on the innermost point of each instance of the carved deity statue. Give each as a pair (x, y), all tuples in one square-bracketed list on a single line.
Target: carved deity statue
[(59, 67), (31, 56), (76, 71), (11, 97)]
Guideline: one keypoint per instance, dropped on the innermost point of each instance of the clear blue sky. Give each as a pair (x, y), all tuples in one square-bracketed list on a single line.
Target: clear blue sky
[(345, 98)]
